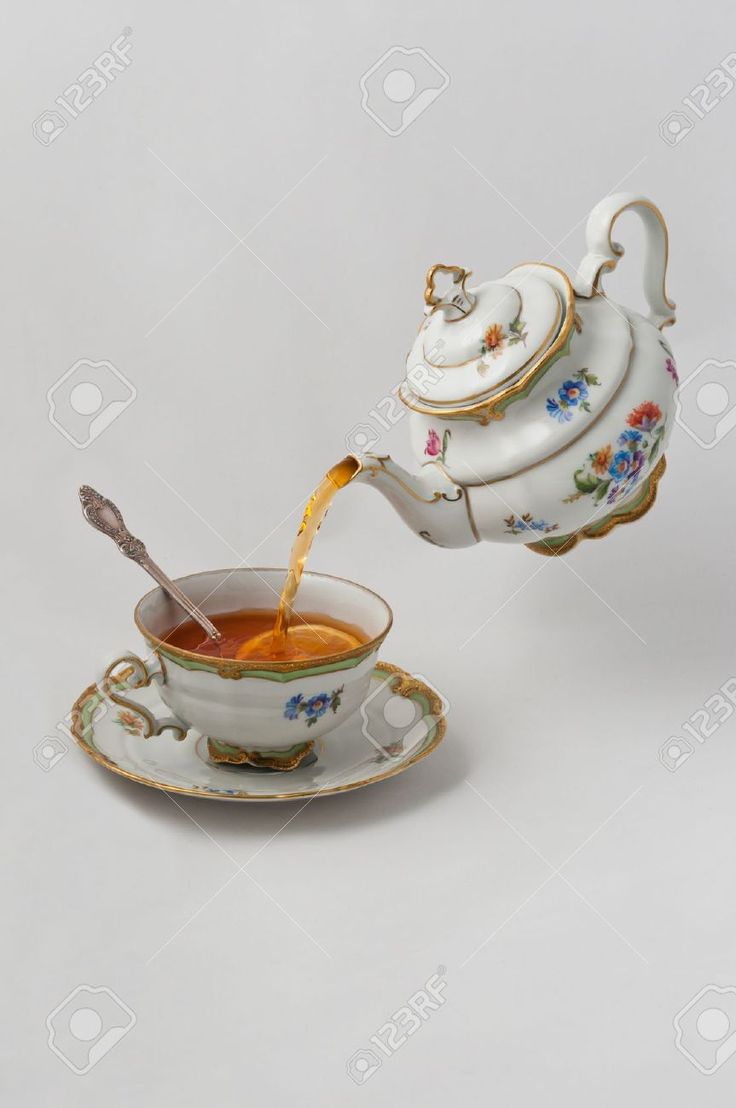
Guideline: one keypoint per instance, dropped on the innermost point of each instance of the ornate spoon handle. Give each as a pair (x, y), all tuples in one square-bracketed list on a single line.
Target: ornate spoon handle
[(106, 517)]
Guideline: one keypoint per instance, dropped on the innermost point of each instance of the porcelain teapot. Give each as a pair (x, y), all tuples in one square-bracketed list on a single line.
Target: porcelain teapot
[(539, 409)]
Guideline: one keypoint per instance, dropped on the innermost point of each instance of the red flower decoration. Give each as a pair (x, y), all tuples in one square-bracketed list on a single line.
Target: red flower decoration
[(645, 416)]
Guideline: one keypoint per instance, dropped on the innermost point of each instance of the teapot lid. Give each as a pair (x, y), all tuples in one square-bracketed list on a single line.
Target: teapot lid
[(478, 345)]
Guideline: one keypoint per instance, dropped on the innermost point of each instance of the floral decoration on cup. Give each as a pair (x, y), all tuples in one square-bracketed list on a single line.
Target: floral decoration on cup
[(312, 707)]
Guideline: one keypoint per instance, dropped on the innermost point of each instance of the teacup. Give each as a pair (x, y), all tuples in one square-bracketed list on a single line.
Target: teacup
[(250, 710)]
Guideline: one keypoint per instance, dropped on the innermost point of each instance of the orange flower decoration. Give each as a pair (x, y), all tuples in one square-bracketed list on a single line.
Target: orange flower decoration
[(494, 339), (602, 459), (645, 416)]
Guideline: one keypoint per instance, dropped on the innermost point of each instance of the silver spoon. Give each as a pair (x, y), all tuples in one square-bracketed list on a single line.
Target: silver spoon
[(106, 517)]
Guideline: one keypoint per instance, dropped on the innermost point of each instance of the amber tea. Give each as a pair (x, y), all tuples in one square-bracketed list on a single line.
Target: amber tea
[(282, 635), (317, 507), (248, 635)]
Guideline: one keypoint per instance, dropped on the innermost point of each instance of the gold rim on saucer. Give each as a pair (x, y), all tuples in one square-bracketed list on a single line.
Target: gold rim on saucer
[(402, 684)]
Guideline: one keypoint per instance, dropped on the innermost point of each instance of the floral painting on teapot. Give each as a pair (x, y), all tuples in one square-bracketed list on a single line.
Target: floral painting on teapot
[(539, 409), (615, 469)]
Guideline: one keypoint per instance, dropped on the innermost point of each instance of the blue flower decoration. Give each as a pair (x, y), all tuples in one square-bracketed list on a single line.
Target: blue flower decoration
[(628, 438), (572, 392), (529, 524), (517, 525), (621, 465), (317, 705), (561, 414), (293, 707)]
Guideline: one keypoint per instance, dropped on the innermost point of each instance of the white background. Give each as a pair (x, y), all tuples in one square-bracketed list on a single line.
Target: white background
[(252, 361)]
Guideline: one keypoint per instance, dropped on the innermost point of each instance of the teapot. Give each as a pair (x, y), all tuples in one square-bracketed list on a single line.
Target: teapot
[(539, 409)]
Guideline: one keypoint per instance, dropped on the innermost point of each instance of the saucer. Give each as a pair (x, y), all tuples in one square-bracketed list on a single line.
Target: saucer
[(401, 721)]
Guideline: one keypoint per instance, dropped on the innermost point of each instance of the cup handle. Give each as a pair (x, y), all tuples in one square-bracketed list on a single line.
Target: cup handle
[(137, 674)]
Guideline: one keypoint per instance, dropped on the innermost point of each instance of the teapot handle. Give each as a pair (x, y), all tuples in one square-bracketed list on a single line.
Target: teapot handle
[(604, 254)]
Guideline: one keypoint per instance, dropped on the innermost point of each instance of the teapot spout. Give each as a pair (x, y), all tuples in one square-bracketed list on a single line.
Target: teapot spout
[(432, 505)]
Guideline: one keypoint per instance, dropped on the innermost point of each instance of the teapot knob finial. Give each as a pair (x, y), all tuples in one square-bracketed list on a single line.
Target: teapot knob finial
[(456, 297)]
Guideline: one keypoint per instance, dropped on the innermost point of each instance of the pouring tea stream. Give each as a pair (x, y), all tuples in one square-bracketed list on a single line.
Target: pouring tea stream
[(539, 412), (539, 409)]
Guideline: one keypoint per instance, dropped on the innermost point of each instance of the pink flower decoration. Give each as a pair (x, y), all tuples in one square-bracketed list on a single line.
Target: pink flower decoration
[(433, 447), (671, 368)]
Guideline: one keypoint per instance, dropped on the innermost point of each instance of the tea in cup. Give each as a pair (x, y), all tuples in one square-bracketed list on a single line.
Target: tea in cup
[(257, 703)]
